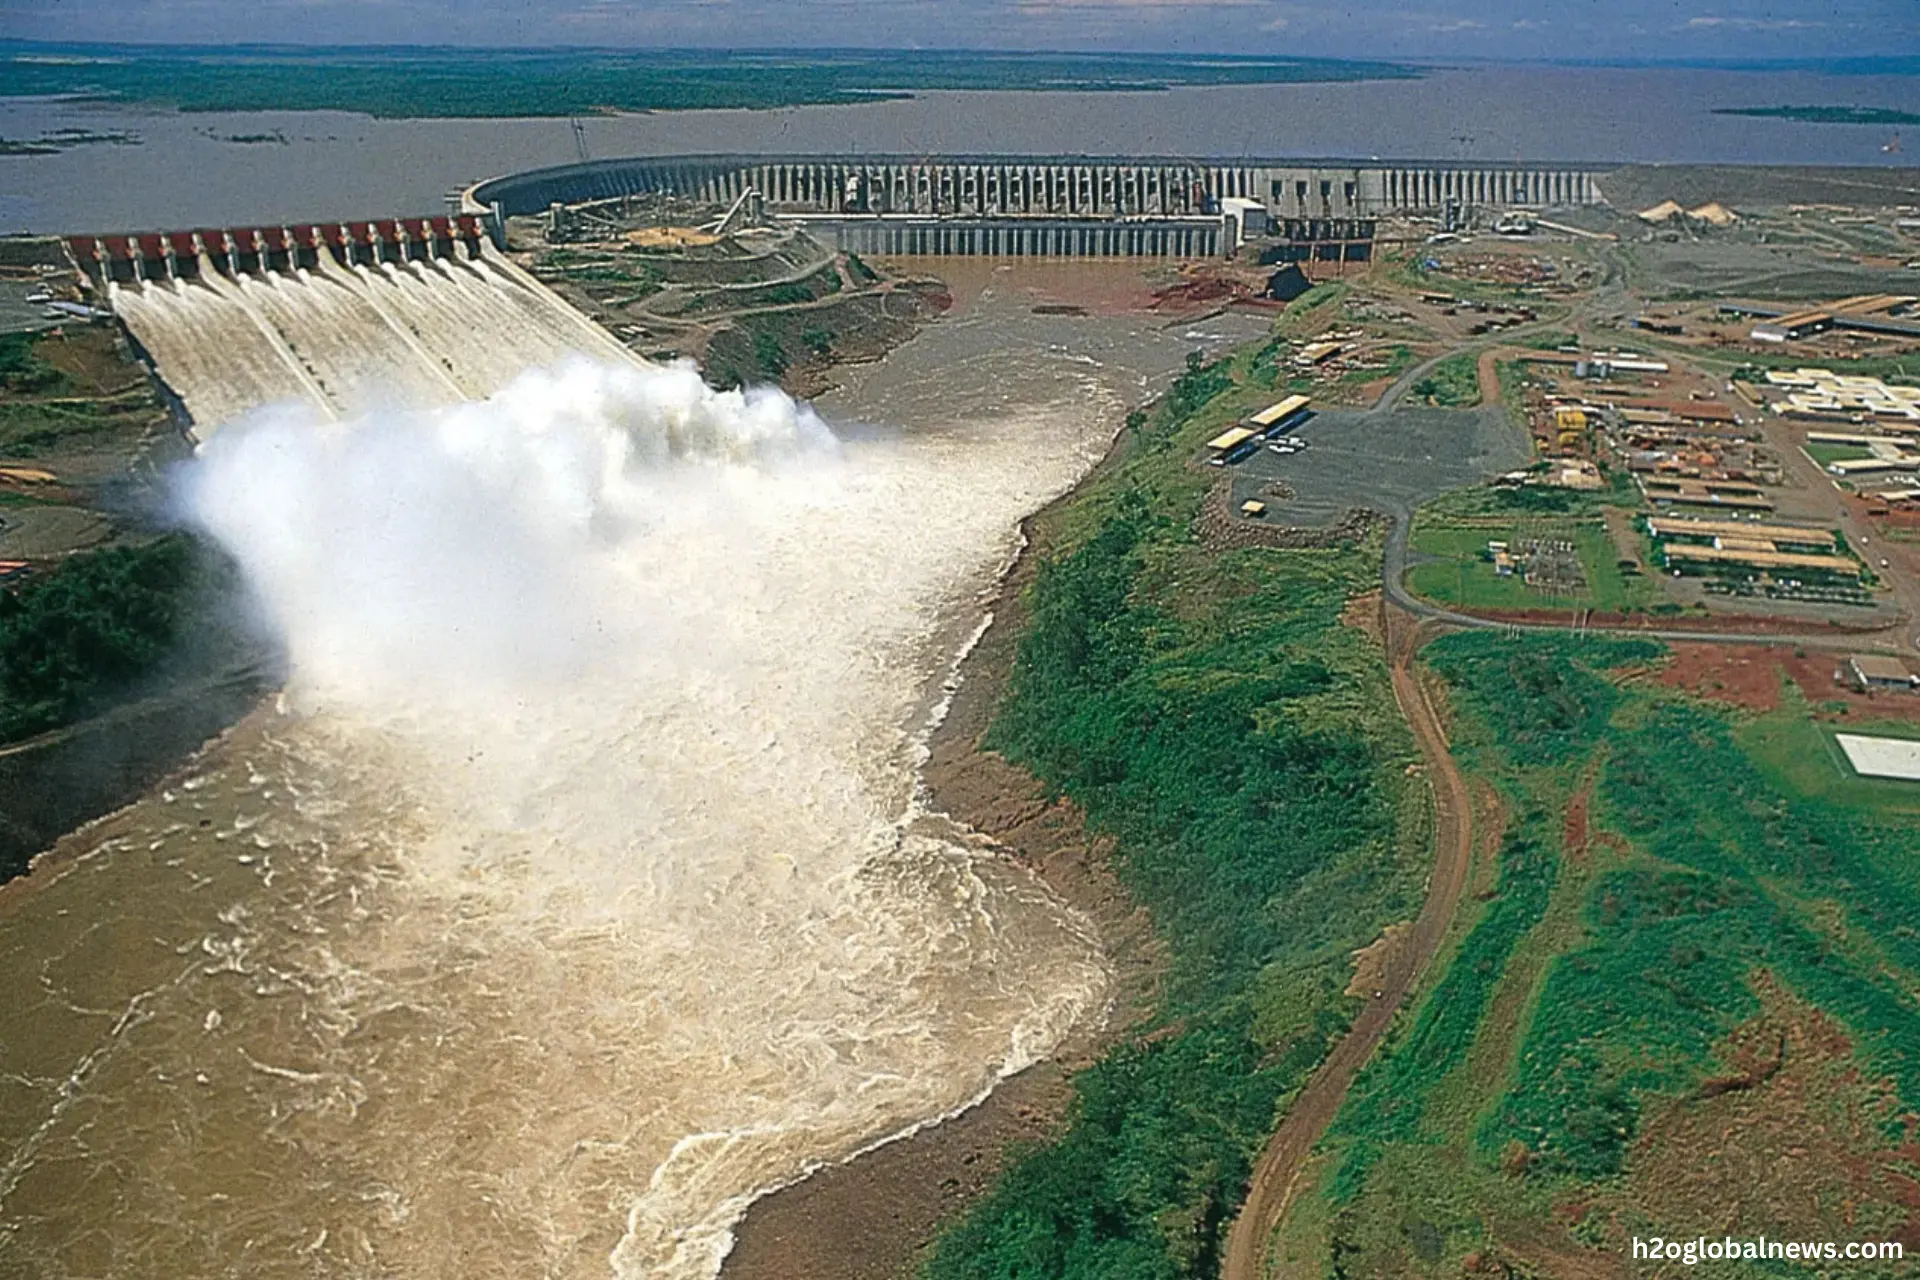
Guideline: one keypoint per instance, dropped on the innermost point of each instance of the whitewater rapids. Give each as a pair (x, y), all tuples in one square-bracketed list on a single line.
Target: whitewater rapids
[(576, 891)]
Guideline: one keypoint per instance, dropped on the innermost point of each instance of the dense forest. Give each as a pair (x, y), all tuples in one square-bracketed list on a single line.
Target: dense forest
[(462, 83), (74, 639)]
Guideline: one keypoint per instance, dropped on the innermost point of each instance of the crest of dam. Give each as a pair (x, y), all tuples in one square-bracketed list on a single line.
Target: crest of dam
[(347, 319)]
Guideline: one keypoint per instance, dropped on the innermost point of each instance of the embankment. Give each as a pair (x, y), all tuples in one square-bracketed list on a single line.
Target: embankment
[(875, 1217), (58, 781), (1212, 714)]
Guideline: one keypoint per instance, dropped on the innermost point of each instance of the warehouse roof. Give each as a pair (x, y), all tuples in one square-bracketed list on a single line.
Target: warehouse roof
[(1764, 559), (1671, 527)]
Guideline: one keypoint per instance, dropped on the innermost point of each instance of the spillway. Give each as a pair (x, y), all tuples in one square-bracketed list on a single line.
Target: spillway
[(342, 325)]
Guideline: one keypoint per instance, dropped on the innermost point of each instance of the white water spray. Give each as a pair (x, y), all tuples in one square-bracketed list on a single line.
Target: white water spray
[(640, 666)]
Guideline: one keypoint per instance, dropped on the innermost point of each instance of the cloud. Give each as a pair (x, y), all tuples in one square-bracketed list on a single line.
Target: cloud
[(1712, 23)]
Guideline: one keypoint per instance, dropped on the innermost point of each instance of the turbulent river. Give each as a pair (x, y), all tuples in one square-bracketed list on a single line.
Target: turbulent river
[(576, 890)]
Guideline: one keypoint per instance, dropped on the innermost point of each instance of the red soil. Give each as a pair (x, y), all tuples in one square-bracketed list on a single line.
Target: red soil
[(1749, 675)]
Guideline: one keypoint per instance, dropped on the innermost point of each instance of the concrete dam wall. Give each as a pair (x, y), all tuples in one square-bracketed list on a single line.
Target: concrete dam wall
[(411, 313), (1042, 187)]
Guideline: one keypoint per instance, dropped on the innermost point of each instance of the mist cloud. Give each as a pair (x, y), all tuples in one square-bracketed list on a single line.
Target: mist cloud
[(415, 552)]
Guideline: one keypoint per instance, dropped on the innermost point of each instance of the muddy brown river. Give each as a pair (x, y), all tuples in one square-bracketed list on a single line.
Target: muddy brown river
[(467, 959)]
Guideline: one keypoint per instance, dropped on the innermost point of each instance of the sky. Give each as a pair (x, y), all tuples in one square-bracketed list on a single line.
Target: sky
[(1441, 29)]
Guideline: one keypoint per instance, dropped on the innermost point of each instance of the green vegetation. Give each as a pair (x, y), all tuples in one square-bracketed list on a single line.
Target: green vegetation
[(31, 429), (1586, 1010), (1546, 701), (1453, 383), (1399, 360), (1452, 533), (454, 83), (1739, 868), (1552, 341), (1825, 454), (1211, 712), (23, 371), (1825, 115), (1390, 1099), (1312, 311), (75, 639)]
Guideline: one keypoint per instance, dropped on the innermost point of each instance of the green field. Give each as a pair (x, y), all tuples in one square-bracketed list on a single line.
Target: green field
[(1454, 532), (1612, 1013), (1453, 383), (1211, 712), (450, 82), (1824, 454)]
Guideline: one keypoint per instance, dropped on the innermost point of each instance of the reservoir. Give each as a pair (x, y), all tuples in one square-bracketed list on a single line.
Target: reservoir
[(186, 172)]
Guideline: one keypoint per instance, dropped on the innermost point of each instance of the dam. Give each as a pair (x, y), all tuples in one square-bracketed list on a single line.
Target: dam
[(403, 313), (428, 311), (1014, 186), (1016, 206)]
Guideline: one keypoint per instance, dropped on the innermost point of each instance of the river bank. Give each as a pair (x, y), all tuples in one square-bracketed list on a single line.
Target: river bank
[(875, 1216)]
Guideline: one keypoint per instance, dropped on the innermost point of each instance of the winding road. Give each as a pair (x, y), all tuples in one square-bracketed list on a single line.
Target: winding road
[(1406, 622), (1278, 1172)]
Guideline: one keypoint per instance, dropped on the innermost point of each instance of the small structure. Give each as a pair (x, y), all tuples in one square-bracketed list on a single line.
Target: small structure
[(1232, 445), (1277, 417), (1872, 671), (1288, 283), (1245, 218), (1253, 509), (1882, 757), (1572, 473)]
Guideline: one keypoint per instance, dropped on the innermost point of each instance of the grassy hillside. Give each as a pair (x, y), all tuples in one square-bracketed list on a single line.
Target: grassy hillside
[(1212, 712), (1686, 1006)]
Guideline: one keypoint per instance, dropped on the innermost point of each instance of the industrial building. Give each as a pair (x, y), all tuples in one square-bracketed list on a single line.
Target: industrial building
[(1872, 671), (1822, 393), (1887, 314), (1757, 559), (1712, 532)]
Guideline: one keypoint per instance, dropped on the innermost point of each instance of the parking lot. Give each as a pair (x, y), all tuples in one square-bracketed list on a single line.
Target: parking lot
[(1388, 462)]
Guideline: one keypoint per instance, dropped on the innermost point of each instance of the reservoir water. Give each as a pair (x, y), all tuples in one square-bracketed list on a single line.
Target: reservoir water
[(578, 888), (336, 165)]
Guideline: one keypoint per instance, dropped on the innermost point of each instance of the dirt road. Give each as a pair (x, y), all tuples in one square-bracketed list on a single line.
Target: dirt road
[(1278, 1172)]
